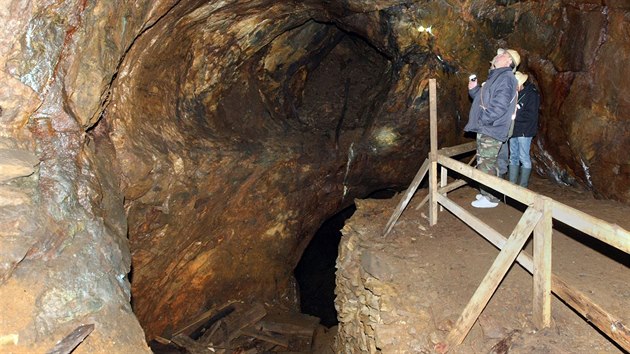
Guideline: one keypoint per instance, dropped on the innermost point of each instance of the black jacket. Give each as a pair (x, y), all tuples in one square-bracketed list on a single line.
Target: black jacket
[(526, 123)]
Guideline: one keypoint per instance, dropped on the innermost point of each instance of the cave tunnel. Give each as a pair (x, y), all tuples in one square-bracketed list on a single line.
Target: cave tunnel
[(180, 154)]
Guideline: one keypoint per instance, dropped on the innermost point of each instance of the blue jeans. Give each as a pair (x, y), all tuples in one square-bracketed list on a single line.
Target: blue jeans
[(519, 151)]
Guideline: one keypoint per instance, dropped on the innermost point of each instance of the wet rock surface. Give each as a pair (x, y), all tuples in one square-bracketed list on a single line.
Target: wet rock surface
[(183, 153)]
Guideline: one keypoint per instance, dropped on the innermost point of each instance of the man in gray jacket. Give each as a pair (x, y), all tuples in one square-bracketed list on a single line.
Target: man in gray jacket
[(492, 114)]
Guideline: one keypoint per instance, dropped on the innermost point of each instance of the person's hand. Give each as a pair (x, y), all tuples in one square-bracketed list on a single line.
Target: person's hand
[(472, 84)]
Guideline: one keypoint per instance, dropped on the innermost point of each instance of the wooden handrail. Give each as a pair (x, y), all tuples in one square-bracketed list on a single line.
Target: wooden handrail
[(613, 235)]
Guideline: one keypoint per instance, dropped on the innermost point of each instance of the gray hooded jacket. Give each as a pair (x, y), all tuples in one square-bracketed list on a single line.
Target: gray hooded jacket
[(493, 105)]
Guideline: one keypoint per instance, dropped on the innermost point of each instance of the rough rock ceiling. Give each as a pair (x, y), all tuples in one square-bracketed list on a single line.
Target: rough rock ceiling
[(217, 135)]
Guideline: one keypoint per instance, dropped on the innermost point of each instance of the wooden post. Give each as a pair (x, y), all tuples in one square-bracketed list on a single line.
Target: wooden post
[(493, 278), (433, 206), (603, 320), (542, 264), (443, 181)]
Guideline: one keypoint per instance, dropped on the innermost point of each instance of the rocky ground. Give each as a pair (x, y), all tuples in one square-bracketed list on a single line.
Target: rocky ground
[(403, 293)]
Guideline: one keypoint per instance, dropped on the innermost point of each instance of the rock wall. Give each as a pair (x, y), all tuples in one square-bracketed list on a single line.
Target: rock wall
[(65, 256), (195, 146), (377, 312)]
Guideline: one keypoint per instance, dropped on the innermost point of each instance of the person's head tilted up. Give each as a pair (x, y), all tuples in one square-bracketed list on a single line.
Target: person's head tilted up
[(506, 58)]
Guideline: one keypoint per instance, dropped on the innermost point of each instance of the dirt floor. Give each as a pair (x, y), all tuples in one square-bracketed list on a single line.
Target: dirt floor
[(440, 267)]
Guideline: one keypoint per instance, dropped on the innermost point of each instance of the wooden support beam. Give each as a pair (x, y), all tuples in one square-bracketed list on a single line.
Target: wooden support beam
[(407, 197), (497, 272), (606, 322), (542, 265), (609, 324), (413, 187), (443, 181), (458, 149), (433, 207), (448, 188)]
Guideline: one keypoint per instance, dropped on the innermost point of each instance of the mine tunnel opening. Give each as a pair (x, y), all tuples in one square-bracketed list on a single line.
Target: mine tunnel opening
[(244, 156), (316, 271)]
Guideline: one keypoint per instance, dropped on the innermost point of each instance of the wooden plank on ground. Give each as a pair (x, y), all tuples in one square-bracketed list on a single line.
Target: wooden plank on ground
[(607, 323), (214, 313), (603, 320), (493, 278), (290, 323), (542, 265), (217, 333), (193, 347), (273, 338), (229, 327), (407, 197), (241, 319)]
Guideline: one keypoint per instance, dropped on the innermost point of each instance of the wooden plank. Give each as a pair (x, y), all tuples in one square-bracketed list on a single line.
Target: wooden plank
[(72, 340), (240, 320), (603, 320), (443, 181), (413, 187), (448, 188), (407, 197), (493, 278), (542, 265), (613, 235), (516, 192), (190, 345), (217, 333), (484, 230), (458, 149), (276, 339), (296, 324), (214, 313), (433, 155), (614, 328)]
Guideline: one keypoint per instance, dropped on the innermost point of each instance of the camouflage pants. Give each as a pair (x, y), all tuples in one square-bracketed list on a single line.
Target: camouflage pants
[(487, 153)]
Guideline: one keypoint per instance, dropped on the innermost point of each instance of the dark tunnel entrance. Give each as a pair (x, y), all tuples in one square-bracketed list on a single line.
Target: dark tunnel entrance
[(315, 273)]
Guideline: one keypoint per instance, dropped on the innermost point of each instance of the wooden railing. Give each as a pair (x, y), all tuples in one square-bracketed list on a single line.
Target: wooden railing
[(537, 218)]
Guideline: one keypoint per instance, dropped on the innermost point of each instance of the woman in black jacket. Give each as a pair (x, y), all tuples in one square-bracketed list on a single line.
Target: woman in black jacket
[(525, 127)]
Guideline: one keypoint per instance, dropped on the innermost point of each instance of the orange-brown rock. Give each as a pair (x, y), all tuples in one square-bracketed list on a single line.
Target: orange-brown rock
[(189, 149)]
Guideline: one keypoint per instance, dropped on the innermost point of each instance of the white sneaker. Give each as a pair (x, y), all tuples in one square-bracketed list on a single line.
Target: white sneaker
[(483, 202), (479, 196)]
